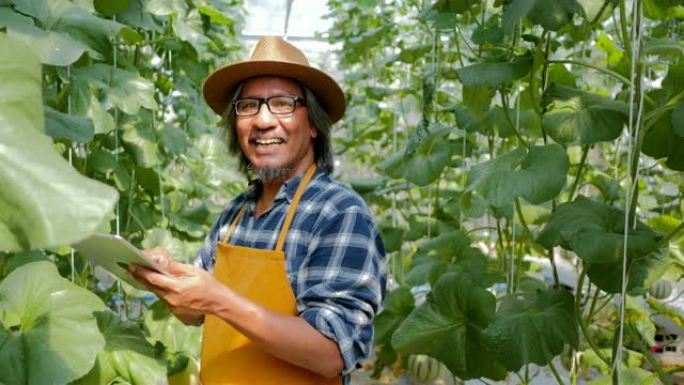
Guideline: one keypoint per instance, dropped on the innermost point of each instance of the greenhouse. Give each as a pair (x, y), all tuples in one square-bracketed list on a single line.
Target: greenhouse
[(436, 192)]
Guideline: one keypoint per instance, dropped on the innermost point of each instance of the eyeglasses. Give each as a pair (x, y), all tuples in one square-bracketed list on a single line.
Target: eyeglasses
[(277, 105)]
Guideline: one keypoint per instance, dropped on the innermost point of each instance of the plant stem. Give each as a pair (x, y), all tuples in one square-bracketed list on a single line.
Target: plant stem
[(555, 373), (581, 321), (597, 68), (643, 347), (504, 100), (623, 29), (600, 12), (578, 176)]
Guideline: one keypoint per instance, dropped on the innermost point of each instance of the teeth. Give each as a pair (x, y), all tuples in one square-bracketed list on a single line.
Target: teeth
[(267, 142)]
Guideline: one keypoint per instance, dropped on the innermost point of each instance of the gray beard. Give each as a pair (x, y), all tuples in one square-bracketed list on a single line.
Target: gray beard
[(267, 175)]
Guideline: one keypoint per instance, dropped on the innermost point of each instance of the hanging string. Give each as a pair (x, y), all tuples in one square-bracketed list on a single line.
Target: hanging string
[(116, 135), (71, 163), (633, 131)]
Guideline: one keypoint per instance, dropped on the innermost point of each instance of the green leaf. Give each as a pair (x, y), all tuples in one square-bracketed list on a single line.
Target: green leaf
[(533, 329), (477, 99), (189, 29), (426, 163), (398, 305), (110, 7), (70, 127), (674, 81), (537, 175), (494, 74), (215, 16), (36, 8), (20, 89), (166, 7), (661, 140), (642, 273), (551, 15), (38, 208), (448, 327), (141, 143), (94, 32), (595, 232), (678, 119), (53, 48), (174, 140), (48, 333), (576, 116), (158, 237), (164, 327), (124, 89), (127, 355)]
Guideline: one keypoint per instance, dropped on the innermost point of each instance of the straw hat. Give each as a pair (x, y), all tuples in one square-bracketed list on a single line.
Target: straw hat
[(276, 57)]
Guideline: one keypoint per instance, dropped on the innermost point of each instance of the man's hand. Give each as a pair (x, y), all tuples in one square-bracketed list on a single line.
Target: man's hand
[(189, 292)]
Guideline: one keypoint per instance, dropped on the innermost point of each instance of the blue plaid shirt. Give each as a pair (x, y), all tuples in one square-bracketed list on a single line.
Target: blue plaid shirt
[(335, 257)]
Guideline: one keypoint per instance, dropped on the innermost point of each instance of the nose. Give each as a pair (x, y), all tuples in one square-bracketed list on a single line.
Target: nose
[(264, 118)]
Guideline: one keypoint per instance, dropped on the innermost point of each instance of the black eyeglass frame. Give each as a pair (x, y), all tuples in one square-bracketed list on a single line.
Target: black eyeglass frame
[(266, 101)]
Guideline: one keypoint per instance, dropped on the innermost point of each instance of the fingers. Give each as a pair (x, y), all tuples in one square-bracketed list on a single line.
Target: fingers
[(159, 255)]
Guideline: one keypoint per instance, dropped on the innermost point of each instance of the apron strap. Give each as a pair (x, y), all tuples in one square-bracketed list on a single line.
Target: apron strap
[(290, 212), (293, 206), (232, 227)]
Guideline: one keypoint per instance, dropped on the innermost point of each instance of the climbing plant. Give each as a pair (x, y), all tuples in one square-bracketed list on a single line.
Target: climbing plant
[(104, 129), (527, 170)]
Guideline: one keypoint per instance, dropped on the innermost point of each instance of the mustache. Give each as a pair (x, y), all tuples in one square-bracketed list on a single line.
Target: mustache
[(253, 137)]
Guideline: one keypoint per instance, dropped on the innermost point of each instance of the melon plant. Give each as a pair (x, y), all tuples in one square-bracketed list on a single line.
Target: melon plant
[(528, 175), (103, 130)]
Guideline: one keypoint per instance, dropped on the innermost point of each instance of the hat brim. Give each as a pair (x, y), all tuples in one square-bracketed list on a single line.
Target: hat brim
[(219, 86)]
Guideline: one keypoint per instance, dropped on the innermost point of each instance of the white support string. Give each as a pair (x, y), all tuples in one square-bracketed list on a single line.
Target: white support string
[(633, 130), (116, 135), (71, 251)]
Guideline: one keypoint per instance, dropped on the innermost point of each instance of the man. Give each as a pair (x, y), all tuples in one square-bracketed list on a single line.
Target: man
[(298, 265)]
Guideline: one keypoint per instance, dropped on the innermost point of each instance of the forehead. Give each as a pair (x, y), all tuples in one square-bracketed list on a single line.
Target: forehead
[(264, 86)]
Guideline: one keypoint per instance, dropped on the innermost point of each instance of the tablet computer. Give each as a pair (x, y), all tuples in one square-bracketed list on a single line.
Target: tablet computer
[(114, 254)]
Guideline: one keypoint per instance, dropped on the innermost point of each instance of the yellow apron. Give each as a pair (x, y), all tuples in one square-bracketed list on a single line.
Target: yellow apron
[(228, 357)]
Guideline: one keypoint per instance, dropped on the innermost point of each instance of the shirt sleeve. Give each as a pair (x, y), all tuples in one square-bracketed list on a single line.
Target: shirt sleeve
[(342, 282)]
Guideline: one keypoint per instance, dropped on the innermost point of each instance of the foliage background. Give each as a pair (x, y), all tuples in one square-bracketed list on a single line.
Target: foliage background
[(511, 150)]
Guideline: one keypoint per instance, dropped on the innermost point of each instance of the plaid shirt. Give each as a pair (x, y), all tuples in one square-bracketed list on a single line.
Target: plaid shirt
[(335, 258)]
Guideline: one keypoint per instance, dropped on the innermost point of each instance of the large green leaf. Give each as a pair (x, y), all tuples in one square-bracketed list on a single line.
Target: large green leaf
[(71, 127), (43, 201), (537, 175), (533, 328), (48, 334), (110, 7), (20, 89), (164, 327), (124, 89), (494, 74), (549, 14), (434, 256), (397, 306), (52, 47), (662, 141), (642, 272), (94, 32), (595, 232), (126, 356), (448, 326), (35, 8), (576, 116), (426, 163)]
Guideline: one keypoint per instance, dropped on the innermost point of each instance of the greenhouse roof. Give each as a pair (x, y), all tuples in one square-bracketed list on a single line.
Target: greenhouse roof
[(300, 21)]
